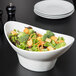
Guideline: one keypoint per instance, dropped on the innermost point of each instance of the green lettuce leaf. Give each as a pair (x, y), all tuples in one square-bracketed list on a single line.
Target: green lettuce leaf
[(47, 35)]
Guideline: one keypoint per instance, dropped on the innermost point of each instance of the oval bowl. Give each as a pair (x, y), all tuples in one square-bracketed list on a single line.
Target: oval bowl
[(37, 61)]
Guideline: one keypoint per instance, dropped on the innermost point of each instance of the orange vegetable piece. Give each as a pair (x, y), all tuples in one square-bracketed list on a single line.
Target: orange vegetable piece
[(26, 30), (39, 38), (39, 35), (56, 42), (61, 41), (42, 42), (54, 38)]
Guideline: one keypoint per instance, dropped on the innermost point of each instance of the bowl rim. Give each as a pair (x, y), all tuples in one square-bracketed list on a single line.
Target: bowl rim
[(73, 39)]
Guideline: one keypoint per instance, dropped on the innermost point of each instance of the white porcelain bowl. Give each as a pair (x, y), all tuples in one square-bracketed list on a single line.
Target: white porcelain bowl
[(36, 61)]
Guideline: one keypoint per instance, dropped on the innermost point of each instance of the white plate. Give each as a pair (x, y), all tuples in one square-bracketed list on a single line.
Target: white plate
[(53, 8), (53, 16)]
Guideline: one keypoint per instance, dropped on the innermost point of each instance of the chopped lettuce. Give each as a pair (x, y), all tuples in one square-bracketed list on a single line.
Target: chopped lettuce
[(44, 37), (22, 37), (13, 38), (53, 43), (22, 46), (10, 35), (48, 44), (35, 48), (35, 41), (47, 35), (34, 35), (60, 45), (31, 31), (60, 38), (21, 34)]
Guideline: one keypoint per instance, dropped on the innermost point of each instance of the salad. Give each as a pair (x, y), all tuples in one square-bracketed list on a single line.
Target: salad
[(30, 40)]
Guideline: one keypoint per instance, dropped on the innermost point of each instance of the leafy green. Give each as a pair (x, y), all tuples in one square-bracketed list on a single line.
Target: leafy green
[(13, 38), (53, 43), (14, 29), (10, 35), (35, 48), (60, 45), (22, 37), (22, 46), (48, 44), (60, 38), (21, 34), (44, 37), (34, 35), (35, 41), (31, 31), (47, 35)]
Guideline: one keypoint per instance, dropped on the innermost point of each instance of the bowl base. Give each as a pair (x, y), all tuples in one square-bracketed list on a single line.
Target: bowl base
[(35, 65)]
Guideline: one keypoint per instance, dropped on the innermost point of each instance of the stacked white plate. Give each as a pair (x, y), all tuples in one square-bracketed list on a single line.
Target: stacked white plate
[(53, 9)]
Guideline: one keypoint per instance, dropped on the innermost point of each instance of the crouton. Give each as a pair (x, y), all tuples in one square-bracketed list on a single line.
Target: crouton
[(50, 48)]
